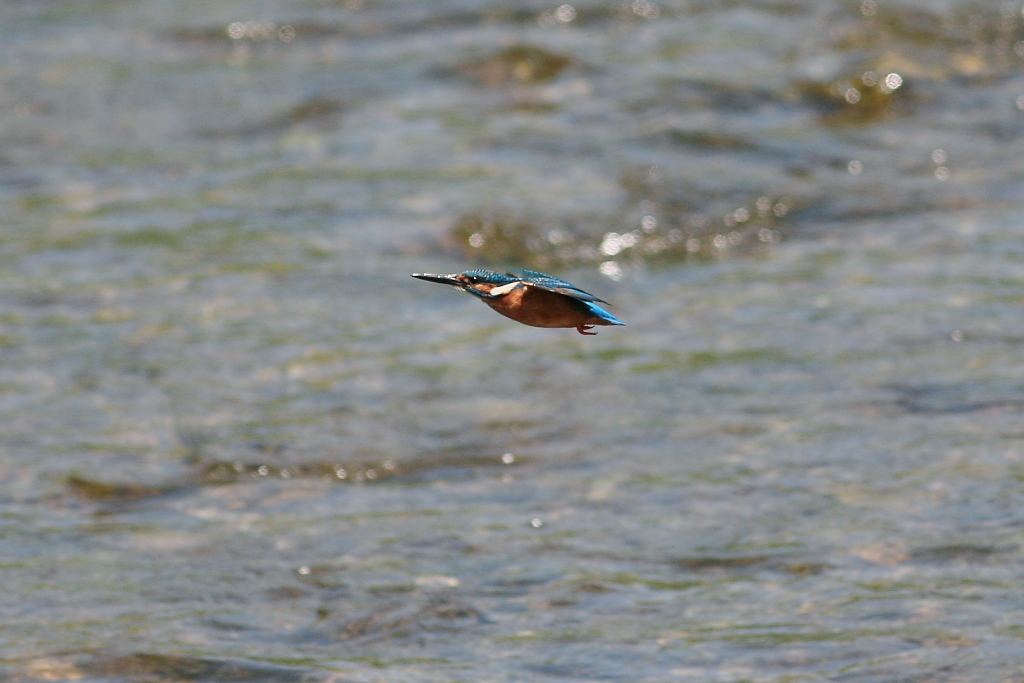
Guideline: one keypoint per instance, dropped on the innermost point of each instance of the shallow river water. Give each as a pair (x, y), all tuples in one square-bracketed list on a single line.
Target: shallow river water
[(239, 443)]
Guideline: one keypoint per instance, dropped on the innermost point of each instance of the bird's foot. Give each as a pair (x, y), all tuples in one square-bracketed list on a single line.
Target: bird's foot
[(582, 329)]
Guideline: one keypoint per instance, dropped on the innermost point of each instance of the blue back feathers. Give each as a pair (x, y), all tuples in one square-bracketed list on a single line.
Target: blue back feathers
[(545, 281)]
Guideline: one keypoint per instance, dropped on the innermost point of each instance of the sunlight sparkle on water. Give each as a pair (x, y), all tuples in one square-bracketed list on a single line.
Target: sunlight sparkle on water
[(611, 270), (892, 82)]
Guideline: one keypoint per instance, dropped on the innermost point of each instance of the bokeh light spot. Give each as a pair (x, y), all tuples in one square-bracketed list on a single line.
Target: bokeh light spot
[(611, 244), (565, 13), (892, 82), (611, 270)]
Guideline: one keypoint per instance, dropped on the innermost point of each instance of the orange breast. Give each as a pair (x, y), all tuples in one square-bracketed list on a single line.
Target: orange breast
[(540, 308)]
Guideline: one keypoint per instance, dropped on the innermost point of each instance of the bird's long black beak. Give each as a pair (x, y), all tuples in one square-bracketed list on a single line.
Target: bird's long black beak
[(441, 279)]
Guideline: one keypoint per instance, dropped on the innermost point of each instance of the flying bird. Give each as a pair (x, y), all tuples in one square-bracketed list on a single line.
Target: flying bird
[(531, 298)]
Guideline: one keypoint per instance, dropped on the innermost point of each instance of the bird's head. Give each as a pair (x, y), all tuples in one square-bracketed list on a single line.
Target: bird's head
[(478, 281)]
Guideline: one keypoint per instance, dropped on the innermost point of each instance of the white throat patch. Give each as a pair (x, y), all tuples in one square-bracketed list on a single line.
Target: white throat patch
[(505, 289)]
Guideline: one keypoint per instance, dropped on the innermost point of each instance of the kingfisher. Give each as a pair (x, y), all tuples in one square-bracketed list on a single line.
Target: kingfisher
[(531, 298)]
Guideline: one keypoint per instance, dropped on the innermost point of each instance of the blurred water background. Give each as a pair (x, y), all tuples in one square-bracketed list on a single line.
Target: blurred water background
[(238, 442)]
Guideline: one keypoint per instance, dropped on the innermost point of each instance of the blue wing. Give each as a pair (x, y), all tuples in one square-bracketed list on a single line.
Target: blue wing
[(558, 286)]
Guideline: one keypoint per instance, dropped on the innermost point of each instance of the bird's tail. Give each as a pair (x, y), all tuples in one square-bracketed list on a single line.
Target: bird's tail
[(602, 314)]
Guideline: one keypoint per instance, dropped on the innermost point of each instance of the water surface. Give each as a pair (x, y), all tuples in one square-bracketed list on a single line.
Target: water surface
[(240, 443)]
